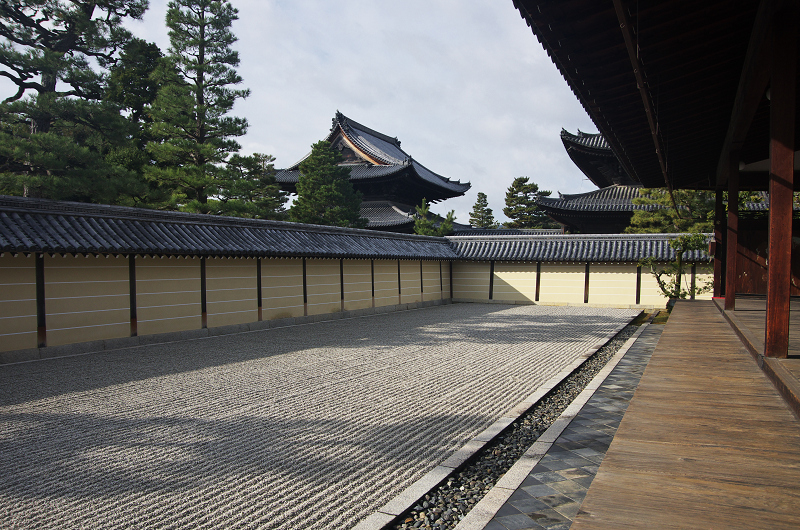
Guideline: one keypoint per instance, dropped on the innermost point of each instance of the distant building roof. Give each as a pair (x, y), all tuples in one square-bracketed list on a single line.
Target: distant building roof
[(552, 248), (379, 168), (603, 211), (470, 231), (594, 157)]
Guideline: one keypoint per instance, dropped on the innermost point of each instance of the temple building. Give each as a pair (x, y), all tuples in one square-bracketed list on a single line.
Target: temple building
[(607, 210), (391, 181)]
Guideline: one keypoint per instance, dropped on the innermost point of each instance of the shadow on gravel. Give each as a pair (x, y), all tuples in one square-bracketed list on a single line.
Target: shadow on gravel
[(472, 324), (86, 456)]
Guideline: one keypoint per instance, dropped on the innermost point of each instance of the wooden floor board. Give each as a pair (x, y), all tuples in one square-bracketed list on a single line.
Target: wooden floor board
[(706, 442)]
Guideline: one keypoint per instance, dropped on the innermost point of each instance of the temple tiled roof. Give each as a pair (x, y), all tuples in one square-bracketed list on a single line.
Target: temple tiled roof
[(388, 157), (586, 140), (36, 225), (592, 154), (565, 248), (385, 213), (610, 199)]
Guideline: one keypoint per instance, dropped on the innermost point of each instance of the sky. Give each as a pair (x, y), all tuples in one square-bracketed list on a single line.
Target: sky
[(465, 86)]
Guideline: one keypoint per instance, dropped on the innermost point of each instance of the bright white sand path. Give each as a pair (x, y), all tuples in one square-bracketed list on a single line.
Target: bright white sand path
[(311, 426)]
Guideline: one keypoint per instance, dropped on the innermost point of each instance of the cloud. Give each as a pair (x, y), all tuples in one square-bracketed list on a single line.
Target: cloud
[(465, 86)]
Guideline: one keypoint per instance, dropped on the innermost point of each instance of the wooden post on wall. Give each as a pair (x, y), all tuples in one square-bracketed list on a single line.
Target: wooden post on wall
[(372, 276), (491, 280), (341, 284), (693, 284), (719, 244), (421, 282), (203, 300), (638, 284), (451, 279), (538, 280), (399, 292), (732, 241), (441, 282), (258, 289), (781, 181), (132, 289), (305, 290), (41, 313), (586, 285)]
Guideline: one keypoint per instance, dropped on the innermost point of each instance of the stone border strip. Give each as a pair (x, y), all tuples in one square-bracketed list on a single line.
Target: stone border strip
[(386, 514), (483, 512), (82, 348)]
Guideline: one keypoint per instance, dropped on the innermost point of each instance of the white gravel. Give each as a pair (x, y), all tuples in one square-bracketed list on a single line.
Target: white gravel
[(312, 426)]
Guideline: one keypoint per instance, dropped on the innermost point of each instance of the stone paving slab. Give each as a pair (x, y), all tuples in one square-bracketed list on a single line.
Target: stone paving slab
[(312, 426), (551, 494)]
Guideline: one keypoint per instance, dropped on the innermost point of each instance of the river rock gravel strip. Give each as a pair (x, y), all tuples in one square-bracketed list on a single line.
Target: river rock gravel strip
[(310, 426), (445, 506)]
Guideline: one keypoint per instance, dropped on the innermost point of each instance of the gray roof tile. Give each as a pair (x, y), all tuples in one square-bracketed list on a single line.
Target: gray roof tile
[(588, 247), (35, 225)]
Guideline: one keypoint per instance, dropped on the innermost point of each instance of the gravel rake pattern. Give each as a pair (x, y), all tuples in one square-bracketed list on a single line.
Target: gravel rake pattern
[(312, 426)]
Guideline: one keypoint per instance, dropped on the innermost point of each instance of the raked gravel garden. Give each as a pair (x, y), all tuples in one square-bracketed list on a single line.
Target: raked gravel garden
[(311, 426)]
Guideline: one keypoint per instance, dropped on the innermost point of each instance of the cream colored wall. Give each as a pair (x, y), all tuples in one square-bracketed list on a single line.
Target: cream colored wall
[(167, 294), (411, 290), (514, 281), (357, 284), (562, 283), (612, 283), (86, 299), (231, 291), (431, 281), (386, 283), (471, 280), (705, 274), (323, 286), (17, 302), (281, 288)]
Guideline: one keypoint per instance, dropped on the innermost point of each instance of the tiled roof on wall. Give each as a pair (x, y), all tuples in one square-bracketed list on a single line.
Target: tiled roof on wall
[(589, 247), (36, 225)]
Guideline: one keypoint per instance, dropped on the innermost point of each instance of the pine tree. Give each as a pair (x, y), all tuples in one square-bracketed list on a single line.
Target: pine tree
[(428, 224), (325, 195), (694, 214), (57, 138), (193, 135), (482, 216), (521, 205)]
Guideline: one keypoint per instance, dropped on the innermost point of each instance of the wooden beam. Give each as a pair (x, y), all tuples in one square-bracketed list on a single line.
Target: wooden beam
[(752, 84), (732, 242), (719, 244), (782, 120), (638, 72)]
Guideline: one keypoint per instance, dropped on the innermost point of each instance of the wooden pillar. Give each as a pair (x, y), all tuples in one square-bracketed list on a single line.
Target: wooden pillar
[(586, 284), (259, 299), (305, 289), (491, 280), (372, 279), (781, 182), (203, 298), (41, 312), (719, 244), (538, 280), (732, 241), (341, 284), (638, 284), (134, 325)]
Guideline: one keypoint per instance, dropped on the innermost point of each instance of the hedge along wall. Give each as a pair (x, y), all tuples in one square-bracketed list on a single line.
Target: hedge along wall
[(607, 284), (76, 299)]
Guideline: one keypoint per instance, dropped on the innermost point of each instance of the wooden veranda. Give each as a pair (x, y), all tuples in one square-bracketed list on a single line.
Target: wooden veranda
[(707, 441)]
